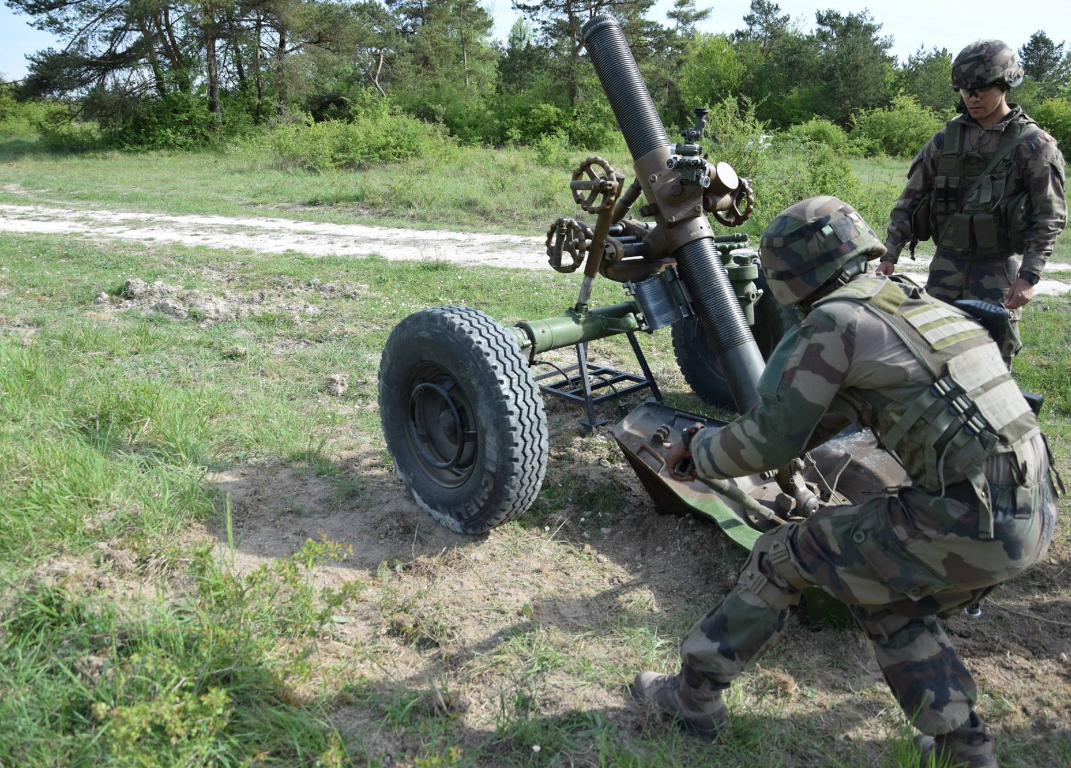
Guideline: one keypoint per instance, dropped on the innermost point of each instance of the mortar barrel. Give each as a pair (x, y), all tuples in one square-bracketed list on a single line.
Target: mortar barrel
[(698, 261)]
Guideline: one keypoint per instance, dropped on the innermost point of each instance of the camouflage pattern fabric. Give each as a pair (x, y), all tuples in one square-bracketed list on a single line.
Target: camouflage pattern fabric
[(1038, 168), (899, 560), (809, 242), (984, 63), (952, 278)]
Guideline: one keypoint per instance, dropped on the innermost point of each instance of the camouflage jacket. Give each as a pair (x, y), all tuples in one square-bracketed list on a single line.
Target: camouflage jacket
[(808, 389), (1039, 168)]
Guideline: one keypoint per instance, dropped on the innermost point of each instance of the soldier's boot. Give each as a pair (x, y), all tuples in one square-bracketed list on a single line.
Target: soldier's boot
[(969, 746), (697, 703)]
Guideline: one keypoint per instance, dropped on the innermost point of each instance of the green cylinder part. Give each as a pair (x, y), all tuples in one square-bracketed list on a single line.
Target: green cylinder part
[(742, 277), (538, 336)]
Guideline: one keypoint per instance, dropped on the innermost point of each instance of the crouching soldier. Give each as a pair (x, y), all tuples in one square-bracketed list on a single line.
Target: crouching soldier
[(930, 383)]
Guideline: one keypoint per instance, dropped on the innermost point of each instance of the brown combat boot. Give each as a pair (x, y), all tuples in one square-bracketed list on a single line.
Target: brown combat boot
[(696, 703), (969, 746)]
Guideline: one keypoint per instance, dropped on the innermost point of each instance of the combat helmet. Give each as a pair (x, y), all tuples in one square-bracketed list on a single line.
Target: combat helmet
[(985, 63), (809, 243)]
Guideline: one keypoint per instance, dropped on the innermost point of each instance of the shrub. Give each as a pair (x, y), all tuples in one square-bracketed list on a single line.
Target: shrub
[(378, 136), (20, 118), (820, 131), (1054, 115), (815, 169), (61, 134), (900, 130), (737, 137)]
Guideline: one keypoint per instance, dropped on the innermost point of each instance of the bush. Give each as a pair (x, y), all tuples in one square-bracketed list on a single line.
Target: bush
[(60, 133), (378, 136), (1054, 115), (899, 130), (175, 121), (819, 131), (790, 177), (737, 137)]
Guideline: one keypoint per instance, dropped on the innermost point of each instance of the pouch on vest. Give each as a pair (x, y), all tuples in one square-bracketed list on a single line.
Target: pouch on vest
[(920, 222), (986, 237)]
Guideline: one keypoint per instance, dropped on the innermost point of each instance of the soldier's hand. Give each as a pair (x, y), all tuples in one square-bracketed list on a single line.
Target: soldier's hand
[(679, 456), (1021, 293), (886, 267)]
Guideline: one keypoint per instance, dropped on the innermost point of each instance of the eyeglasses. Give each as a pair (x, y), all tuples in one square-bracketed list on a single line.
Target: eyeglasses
[(978, 93)]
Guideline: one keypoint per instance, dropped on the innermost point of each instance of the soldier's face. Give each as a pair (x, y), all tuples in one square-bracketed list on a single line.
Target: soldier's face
[(982, 102)]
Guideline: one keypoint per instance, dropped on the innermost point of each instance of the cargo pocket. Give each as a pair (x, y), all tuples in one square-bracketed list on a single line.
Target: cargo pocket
[(883, 540)]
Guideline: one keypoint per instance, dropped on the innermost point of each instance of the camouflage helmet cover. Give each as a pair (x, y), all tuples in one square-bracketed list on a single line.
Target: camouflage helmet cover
[(984, 63), (808, 243)]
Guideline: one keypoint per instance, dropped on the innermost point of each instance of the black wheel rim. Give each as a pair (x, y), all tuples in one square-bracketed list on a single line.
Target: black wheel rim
[(441, 428)]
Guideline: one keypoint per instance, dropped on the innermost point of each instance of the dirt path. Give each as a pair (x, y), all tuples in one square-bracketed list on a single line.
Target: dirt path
[(275, 235)]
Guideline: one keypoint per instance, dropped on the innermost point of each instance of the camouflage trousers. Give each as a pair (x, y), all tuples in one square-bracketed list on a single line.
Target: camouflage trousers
[(899, 562), (952, 278)]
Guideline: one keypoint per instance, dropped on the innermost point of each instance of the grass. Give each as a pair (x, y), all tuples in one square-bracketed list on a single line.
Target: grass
[(205, 560), (516, 190)]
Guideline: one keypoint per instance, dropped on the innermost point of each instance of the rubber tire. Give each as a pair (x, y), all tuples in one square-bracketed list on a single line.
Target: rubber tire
[(511, 426), (696, 358)]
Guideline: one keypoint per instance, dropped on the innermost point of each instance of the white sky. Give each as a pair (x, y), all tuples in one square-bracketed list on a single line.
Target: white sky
[(948, 24)]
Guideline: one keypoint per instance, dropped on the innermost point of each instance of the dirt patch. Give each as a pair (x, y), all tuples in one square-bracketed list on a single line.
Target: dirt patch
[(209, 307), (276, 235)]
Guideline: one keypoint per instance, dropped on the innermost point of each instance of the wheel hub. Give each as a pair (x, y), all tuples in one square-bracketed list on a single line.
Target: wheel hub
[(441, 426)]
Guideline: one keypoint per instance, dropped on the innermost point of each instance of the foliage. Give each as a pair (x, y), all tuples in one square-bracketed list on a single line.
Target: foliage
[(20, 117), (175, 121), (1045, 63), (737, 136), (1054, 115), (926, 76), (854, 63), (201, 683), (711, 72), (377, 137), (899, 130), (820, 131)]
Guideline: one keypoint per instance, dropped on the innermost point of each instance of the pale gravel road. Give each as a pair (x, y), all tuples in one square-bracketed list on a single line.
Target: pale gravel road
[(278, 235)]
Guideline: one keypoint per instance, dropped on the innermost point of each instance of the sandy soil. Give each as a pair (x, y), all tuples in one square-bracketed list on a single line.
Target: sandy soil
[(275, 235), (271, 235)]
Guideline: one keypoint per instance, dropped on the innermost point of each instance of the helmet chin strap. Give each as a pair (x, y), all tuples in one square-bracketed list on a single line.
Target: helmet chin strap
[(853, 269)]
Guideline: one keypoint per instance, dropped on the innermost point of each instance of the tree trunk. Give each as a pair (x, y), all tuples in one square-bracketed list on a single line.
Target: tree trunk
[(154, 60), (280, 54), (239, 63), (259, 24), (464, 50), (181, 71), (213, 76)]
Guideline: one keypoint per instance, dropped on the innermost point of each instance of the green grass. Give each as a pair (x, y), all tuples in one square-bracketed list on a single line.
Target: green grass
[(156, 611), (515, 190)]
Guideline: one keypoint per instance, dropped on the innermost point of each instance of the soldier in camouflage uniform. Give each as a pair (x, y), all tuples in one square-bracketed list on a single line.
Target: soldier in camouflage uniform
[(929, 381), (986, 187)]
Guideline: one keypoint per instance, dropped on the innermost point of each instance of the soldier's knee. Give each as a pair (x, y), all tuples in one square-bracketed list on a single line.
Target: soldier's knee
[(771, 573)]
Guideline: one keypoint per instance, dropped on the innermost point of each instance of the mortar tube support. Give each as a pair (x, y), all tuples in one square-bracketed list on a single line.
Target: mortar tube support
[(598, 246), (627, 200)]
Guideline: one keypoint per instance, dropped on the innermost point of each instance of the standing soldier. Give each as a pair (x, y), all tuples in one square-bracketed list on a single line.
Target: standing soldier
[(988, 186), (928, 380)]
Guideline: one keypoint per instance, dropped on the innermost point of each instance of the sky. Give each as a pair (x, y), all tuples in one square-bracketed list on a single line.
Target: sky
[(913, 22)]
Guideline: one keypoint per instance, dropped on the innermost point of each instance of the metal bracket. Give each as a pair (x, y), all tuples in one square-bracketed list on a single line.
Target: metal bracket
[(581, 382)]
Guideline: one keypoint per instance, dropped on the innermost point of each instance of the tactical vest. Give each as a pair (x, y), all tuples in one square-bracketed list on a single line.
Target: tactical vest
[(974, 209), (942, 433)]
